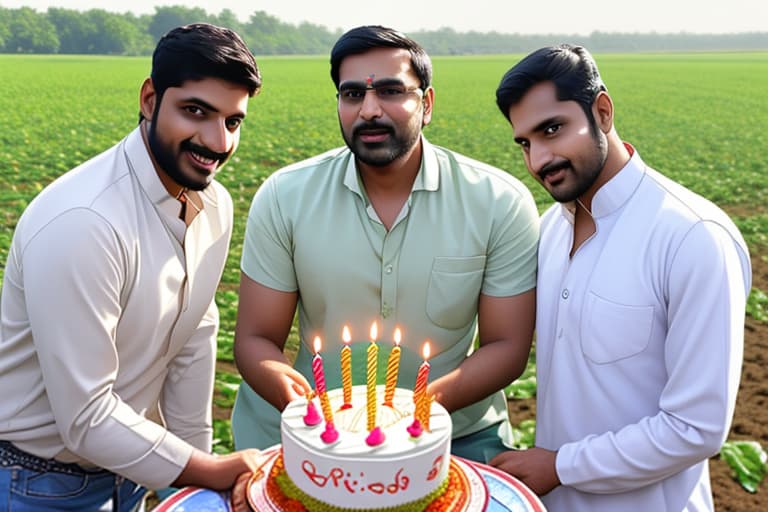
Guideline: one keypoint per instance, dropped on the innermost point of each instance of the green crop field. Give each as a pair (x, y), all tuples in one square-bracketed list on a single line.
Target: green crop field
[(702, 119)]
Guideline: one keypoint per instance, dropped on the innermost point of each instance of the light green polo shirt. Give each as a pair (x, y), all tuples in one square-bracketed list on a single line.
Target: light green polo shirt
[(467, 228)]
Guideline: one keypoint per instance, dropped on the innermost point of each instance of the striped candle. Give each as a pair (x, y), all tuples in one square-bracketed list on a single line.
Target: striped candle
[(420, 389), (393, 367), (319, 374), (346, 368), (373, 356)]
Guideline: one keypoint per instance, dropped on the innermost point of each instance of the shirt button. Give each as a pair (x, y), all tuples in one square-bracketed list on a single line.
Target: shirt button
[(565, 293), (388, 269)]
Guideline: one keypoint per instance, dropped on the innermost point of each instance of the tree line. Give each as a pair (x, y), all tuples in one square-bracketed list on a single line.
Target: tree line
[(97, 31)]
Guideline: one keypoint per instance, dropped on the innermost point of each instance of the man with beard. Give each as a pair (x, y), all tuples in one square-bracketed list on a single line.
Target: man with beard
[(640, 306), (394, 231), (109, 321)]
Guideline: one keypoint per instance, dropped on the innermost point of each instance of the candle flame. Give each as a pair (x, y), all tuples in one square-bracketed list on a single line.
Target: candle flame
[(374, 332), (398, 336), (345, 335), (317, 343), (425, 350)]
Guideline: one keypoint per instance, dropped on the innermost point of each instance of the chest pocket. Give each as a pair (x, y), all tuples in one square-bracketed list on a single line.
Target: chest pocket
[(613, 331), (454, 289)]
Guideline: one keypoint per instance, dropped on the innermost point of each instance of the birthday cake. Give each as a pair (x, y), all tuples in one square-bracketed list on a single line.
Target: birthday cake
[(409, 468), (375, 447)]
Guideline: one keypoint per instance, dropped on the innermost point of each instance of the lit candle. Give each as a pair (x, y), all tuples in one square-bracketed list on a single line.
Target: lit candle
[(393, 366), (346, 368), (373, 356), (319, 374), (420, 389)]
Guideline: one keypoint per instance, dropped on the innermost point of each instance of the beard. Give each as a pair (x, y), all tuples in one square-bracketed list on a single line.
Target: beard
[(381, 154), (168, 159), (586, 171)]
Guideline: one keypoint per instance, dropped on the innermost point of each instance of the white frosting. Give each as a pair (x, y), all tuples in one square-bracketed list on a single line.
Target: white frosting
[(351, 474)]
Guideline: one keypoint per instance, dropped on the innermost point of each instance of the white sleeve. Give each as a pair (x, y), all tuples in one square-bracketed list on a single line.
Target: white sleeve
[(74, 273), (188, 391), (703, 353)]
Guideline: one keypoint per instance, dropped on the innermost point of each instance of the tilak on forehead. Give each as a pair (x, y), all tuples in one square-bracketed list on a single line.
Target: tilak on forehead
[(369, 80)]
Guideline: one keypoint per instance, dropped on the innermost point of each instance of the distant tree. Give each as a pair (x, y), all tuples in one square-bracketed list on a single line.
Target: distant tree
[(113, 34), (228, 19), (30, 32), (75, 31), (5, 31), (166, 18)]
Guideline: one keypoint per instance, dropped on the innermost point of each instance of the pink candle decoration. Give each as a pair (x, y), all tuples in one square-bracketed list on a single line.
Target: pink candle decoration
[(346, 368), (393, 367), (415, 429), (420, 389), (312, 418), (376, 437), (330, 434), (319, 374), (373, 356)]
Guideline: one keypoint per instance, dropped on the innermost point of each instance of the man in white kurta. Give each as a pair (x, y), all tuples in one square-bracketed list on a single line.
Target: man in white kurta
[(641, 298), (639, 345)]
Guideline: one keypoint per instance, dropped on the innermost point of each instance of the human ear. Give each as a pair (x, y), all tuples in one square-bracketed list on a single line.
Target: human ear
[(428, 102), (602, 109), (147, 99)]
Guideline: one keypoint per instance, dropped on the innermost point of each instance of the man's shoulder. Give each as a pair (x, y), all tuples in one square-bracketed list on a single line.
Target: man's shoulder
[(307, 168), (476, 170)]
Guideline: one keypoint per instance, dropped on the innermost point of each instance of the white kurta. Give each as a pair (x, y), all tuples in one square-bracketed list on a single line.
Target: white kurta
[(106, 318), (639, 345)]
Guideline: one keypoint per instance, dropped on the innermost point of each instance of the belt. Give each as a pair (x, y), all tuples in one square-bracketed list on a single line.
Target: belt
[(12, 456)]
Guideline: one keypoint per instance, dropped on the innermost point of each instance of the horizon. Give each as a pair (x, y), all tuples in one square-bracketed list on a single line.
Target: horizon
[(502, 16)]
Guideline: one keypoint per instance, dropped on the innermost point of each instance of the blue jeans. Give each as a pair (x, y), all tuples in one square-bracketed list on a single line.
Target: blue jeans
[(29, 483)]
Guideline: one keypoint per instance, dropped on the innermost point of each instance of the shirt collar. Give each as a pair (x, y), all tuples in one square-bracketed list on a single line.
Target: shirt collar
[(428, 177), (617, 191), (137, 153)]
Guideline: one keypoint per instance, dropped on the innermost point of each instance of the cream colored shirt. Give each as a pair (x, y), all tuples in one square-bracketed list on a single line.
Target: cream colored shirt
[(467, 228), (107, 319)]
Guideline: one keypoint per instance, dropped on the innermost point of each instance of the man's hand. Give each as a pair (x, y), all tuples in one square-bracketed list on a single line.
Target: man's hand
[(239, 496), (535, 467)]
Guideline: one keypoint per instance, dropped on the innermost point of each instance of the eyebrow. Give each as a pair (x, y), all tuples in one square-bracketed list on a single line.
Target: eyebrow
[(541, 126), (358, 84), (202, 103)]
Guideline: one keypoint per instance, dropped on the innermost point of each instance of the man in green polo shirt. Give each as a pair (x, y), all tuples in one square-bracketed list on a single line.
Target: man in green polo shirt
[(394, 231)]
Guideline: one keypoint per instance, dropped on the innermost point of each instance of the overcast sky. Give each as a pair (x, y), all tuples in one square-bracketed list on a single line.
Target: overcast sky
[(510, 16)]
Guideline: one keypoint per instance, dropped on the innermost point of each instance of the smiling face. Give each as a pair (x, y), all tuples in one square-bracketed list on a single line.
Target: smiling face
[(381, 129), (193, 129), (562, 149)]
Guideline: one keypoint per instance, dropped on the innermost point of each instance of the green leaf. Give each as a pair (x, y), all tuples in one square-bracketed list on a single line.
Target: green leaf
[(747, 459), (524, 435)]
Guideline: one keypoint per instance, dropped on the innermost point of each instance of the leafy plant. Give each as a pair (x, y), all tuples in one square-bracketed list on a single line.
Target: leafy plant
[(757, 305), (747, 459), (524, 435)]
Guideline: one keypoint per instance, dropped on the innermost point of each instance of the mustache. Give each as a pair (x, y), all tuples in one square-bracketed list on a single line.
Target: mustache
[(372, 126), (553, 167), (188, 145)]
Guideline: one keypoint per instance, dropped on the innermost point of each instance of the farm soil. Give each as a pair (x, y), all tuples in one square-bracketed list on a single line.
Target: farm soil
[(750, 420)]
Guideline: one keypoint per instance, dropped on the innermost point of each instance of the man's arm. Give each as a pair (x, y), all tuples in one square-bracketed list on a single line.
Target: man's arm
[(264, 319), (505, 326), (703, 349)]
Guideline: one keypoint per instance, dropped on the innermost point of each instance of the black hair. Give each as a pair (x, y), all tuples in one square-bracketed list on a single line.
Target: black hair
[(361, 39), (201, 50), (571, 68)]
